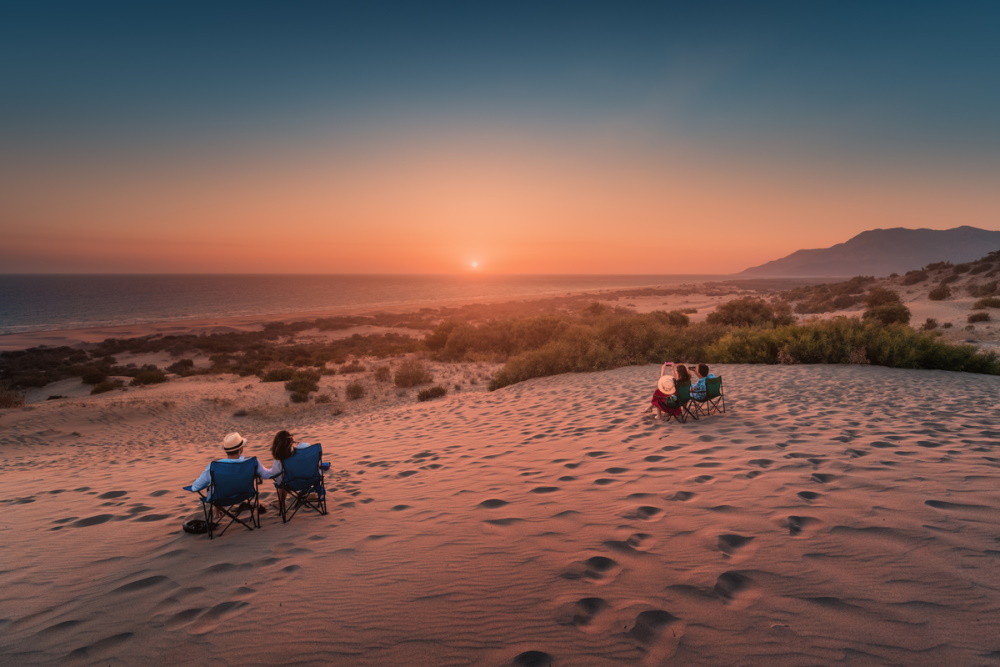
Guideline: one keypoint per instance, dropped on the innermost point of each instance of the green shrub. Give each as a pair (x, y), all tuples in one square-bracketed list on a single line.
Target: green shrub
[(354, 391), (149, 375), (983, 289), (383, 374), (914, 277), (832, 342), (298, 397), (947, 325), (880, 296), (93, 376), (353, 367), (749, 312), (182, 367), (303, 382), (939, 293), (930, 324), (322, 399), (989, 302), (981, 316), (107, 385), (283, 374), (411, 373), (895, 313), (938, 265), (949, 279), (436, 391)]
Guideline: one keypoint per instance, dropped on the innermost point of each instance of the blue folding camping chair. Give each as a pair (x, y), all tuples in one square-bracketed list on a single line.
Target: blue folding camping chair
[(302, 480), (232, 492)]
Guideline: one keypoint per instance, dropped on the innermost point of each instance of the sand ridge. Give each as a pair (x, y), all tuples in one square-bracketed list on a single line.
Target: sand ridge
[(834, 514)]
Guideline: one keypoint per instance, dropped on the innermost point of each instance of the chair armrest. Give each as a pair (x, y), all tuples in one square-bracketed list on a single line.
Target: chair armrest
[(188, 488)]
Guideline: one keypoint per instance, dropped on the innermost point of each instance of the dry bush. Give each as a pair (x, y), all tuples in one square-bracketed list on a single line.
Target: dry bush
[(433, 392), (383, 374), (354, 390), (10, 398), (411, 373)]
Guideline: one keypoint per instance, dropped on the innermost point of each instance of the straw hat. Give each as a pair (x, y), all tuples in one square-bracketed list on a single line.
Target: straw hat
[(666, 384), (233, 443)]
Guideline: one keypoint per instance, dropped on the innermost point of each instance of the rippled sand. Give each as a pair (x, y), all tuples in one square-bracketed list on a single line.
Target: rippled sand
[(833, 514)]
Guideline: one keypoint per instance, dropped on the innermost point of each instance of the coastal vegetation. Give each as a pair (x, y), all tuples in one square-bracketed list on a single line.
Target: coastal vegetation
[(574, 333)]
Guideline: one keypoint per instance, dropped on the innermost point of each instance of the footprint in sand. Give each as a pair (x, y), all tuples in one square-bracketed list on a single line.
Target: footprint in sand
[(580, 613), (730, 543), (92, 521), (801, 525), (544, 489), (808, 495), (101, 645), (644, 513), (735, 588), (681, 496), (598, 569), (493, 503), (649, 625), (533, 659), (637, 542), (112, 494), (654, 458)]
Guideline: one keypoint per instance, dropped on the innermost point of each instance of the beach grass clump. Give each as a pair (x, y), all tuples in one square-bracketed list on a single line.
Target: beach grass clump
[(354, 391), (982, 289), (412, 372), (322, 399), (10, 398), (281, 374), (914, 277), (437, 391), (383, 374), (828, 297), (980, 316), (93, 376), (184, 367), (353, 367), (148, 374), (988, 302), (939, 293), (107, 385)]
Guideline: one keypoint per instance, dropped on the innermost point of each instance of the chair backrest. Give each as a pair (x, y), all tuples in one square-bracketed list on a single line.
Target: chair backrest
[(683, 392), (301, 469), (233, 482), (713, 387)]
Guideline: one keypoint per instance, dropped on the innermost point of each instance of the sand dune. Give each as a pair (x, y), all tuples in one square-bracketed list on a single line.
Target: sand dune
[(834, 514)]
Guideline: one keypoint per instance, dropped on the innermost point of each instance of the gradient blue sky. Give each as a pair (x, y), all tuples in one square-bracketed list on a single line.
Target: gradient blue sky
[(533, 137)]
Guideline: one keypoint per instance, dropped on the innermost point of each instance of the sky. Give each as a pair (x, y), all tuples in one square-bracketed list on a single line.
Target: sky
[(513, 137)]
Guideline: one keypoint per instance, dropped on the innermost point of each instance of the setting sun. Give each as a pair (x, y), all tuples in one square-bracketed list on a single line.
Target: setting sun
[(474, 264)]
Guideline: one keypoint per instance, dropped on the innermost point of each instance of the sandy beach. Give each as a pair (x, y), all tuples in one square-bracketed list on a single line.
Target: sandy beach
[(848, 514)]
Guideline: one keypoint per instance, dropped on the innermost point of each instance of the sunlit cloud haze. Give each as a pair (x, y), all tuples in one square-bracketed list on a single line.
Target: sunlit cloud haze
[(423, 137)]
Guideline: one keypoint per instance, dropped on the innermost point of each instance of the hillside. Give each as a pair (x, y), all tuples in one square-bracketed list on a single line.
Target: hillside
[(880, 252)]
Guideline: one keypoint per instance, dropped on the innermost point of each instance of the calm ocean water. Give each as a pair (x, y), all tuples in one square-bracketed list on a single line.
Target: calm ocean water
[(53, 302)]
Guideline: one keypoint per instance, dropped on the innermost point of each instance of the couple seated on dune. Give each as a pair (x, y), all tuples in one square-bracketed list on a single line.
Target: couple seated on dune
[(283, 446), (665, 395)]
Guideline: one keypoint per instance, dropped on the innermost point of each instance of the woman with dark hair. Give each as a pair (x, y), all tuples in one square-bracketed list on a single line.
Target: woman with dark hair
[(664, 396), (283, 446)]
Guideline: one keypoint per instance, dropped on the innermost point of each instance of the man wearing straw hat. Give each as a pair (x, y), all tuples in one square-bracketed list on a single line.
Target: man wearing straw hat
[(232, 445)]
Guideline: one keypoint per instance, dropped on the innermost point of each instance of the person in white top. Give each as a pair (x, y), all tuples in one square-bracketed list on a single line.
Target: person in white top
[(232, 445), (662, 398)]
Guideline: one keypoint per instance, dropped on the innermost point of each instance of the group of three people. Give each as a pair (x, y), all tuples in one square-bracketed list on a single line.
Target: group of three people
[(664, 398), (283, 447)]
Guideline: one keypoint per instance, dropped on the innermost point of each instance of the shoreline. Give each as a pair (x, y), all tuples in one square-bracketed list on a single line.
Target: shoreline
[(207, 325)]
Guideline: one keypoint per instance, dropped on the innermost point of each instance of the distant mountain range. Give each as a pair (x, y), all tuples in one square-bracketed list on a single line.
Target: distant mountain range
[(880, 252)]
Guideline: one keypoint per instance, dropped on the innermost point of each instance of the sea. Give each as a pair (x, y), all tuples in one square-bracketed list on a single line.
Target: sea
[(60, 302)]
